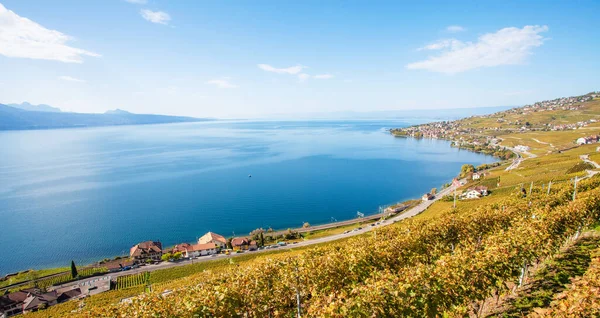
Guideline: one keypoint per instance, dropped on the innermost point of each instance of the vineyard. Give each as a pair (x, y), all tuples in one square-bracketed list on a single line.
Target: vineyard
[(134, 280), (63, 278), (450, 265)]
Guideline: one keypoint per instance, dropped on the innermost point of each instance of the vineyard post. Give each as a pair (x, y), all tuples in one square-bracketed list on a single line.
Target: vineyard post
[(530, 188), (549, 185), (575, 189), (455, 197), (297, 292)]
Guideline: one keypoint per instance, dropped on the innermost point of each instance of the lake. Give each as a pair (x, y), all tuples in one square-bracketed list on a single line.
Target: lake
[(90, 193)]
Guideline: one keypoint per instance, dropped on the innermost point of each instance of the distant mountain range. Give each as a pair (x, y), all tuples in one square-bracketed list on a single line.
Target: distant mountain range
[(26, 116), (36, 108)]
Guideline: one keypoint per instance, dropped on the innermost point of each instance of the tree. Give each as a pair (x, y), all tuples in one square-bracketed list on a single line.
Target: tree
[(306, 225), (229, 246), (466, 169), (166, 257), (177, 255), (73, 270), (433, 191), (262, 240)]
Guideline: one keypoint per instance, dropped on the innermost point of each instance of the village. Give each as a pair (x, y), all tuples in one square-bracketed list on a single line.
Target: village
[(484, 138)]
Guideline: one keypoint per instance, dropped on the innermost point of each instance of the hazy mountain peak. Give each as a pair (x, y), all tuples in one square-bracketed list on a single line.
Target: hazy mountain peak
[(117, 112), (36, 108)]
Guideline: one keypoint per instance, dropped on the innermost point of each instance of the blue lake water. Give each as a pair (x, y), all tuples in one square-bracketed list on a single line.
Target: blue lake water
[(90, 193)]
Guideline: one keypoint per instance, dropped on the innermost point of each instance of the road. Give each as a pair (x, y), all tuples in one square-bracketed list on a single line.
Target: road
[(419, 208)]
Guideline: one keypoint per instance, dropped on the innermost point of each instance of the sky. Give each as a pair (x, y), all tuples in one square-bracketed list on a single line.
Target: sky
[(243, 59)]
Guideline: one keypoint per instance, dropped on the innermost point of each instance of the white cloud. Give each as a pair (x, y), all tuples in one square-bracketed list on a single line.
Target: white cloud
[(324, 76), (303, 77), (71, 79), (508, 46), (155, 16), (221, 83), (293, 70), (137, 1), (442, 44), (21, 37), (455, 29)]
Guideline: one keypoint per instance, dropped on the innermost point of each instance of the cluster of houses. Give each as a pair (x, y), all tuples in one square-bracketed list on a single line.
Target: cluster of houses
[(588, 140), (33, 299), (563, 103), (209, 244)]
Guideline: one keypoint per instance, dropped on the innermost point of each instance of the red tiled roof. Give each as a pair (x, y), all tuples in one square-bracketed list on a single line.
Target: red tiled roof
[(146, 247), (239, 241), (201, 247)]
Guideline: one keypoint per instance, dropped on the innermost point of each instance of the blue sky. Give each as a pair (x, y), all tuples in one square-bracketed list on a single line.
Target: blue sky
[(243, 59)]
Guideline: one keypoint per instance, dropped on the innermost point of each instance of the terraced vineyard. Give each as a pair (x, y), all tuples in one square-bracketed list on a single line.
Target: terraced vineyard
[(446, 266), (129, 281)]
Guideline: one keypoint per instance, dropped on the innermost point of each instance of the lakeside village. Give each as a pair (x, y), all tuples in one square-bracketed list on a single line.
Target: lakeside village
[(50, 291), (476, 139)]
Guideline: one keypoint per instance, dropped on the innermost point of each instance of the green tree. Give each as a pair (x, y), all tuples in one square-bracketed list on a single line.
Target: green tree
[(306, 225), (466, 169), (229, 246), (262, 240), (177, 255), (167, 256), (74, 273)]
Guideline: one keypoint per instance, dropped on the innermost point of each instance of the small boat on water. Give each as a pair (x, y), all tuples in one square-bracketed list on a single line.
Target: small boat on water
[(249, 176)]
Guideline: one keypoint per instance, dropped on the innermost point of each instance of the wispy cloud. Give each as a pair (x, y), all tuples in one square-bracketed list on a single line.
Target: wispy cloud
[(137, 1), (442, 44), (21, 37), (303, 77), (455, 29), (293, 70), (156, 16), (221, 83), (323, 76), (71, 79), (508, 46)]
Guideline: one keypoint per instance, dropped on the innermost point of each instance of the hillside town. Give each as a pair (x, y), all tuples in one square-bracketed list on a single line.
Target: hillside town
[(467, 134)]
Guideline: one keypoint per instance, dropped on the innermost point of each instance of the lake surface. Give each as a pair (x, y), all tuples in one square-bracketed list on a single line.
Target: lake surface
[(90, 193)]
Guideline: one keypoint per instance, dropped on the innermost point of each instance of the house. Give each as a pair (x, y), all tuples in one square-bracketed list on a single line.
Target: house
[(587, 140), (69, 295), (522, 148), (253, 246), (33, 299), (427, 197), (477, 176), (118, 264), (37, 301), (241, 244), (144, 251), (475, 193), (214, 238), (196, 250), (12, 304), (395, 209)]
